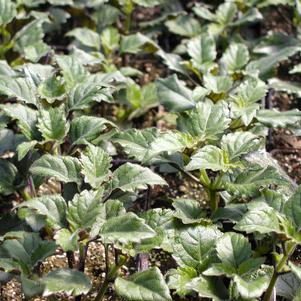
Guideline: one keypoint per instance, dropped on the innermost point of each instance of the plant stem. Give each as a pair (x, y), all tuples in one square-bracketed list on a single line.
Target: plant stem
[(111, 276), (277, 270), (107, 259), (213, 198), (70, 259)]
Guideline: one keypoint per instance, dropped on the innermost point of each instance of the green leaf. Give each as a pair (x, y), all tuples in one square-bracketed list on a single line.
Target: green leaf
[(28, 249), (135, 143), (20, 88), (148, 285), (31, 34), (110, 38), (85, 129), (83, 210), (51, 206), (253, 285), (66, 240), (180, 278), (126, 228), (194, 246), (52, 123), (285, 86), (51, 89), (232, 212), (84, 94), (274, 118), (239, 143), (109, 209), (25, 147), (161, 221), (288, 286), (217, 84), (64, 168), (235, 57), (7, 11), (67, 281), (96, 165), (134, 43), (292, 208), (184, 25), (225, 13), (149, 3), (169, 143), (189, 211), (105, 16), (206, 122), (209, 287), (233, 249), (276, 47), (245, 97), (131, 177), (72, 70), (262, 220), (202, 51), (85, 36), (174, 95), (8, 175), (252, 180), (210, 157), (36, 51), (25, 116)]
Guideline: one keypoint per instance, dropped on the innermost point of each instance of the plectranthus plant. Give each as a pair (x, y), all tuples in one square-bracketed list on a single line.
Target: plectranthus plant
[(109, 106)]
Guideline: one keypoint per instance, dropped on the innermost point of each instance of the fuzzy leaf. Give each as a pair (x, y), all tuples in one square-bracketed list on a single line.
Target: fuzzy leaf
[(134, 43), (83, 95), (233, 249), (275, 118), (25, 116), (51, 89), (261, 220), (64, 168), (188, 211), (85, 36), (52, 123), (235, 57), (96, 165), (239, 143), (148, 285), (253, 285), (174, 95), (83, 210), (51, 206), (210, 157), (184, 25), (72, 70), (131, 177), (209, 287), (84, 129), (135, 143), (7, 11), (66, 240), (292, 208), (202, 51), (20, 88), (195, 246), (68, 281), (8, 174), (180, 278), (250, 182), (125, 229), (28, 249), (217, 84), (206, 122)]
